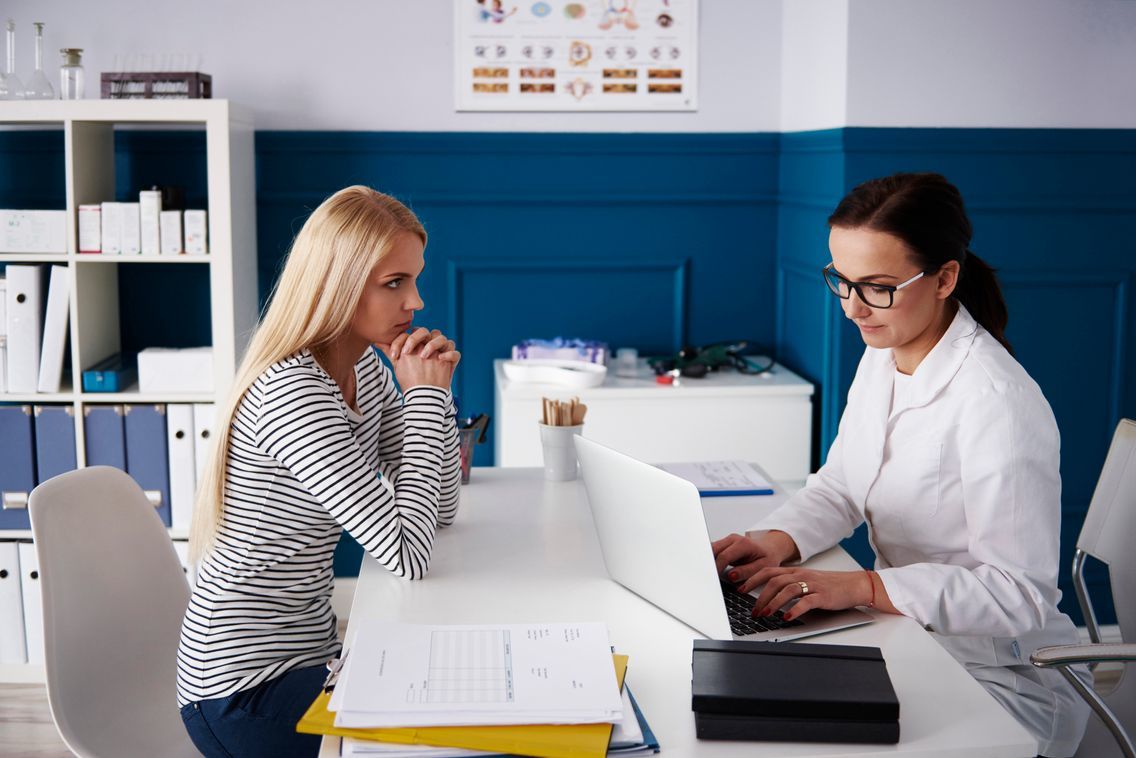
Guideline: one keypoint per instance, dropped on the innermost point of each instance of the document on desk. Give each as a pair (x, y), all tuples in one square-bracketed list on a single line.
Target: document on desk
[(722, 478), (465, 675)]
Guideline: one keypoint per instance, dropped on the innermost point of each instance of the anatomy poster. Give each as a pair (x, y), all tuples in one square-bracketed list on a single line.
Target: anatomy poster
[(589, 55)]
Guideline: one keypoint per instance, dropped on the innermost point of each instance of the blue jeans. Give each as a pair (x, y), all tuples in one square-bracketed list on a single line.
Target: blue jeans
[(257, 722)]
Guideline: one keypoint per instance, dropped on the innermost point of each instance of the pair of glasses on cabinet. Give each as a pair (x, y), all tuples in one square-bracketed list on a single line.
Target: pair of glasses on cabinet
[(872, 294)]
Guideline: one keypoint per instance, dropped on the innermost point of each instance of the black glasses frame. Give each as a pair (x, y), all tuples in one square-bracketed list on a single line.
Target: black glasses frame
[(829, 272)]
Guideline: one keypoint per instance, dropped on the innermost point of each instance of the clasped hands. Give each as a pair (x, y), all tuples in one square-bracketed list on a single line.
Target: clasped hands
[(422, 357), (750, 562)]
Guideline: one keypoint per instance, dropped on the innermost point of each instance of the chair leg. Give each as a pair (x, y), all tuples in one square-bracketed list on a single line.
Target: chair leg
[(1106, 715)]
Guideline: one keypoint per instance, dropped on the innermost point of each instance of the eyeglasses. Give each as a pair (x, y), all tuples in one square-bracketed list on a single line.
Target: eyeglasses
[(871, 294)]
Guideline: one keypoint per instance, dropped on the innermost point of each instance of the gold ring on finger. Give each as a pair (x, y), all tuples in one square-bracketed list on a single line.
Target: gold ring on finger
[(804, 588)]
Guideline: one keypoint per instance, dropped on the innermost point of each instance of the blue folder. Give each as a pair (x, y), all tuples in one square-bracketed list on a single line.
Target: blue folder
[(105, 434), (54, 441), (147, 459), (17, 464), (735, 493)]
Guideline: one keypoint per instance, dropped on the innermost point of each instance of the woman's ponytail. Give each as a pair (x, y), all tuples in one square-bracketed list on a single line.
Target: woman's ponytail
[(978, 290)]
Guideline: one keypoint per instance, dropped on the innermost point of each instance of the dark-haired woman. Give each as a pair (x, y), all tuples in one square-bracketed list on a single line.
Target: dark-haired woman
[(947, 449)]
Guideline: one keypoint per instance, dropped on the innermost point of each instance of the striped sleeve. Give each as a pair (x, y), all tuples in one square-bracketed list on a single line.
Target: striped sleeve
[(398, 415), (302, 424)]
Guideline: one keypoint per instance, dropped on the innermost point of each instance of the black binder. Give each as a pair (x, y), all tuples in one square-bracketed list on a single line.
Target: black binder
[(789, 691)]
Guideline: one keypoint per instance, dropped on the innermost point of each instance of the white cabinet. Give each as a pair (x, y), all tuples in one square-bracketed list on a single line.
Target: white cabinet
[(765, 418), (88, 128)]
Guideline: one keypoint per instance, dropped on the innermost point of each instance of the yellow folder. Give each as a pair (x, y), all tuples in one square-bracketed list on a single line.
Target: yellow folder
[(540, 740)]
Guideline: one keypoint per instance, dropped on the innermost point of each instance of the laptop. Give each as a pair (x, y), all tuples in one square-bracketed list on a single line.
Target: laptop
[(653, 536)]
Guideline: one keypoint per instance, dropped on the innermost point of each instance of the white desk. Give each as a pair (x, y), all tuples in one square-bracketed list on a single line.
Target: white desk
[(524, 550), (722, 416)]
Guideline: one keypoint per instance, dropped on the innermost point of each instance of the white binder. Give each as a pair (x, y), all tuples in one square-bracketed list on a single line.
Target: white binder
[(183, 473), (3, 335), (181, 547), (25, 326), (33, 602), (203, 434), (54, 331), (12, 647)]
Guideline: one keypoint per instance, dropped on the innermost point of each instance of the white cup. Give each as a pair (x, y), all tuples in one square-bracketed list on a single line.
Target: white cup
[(559, 451), (627, 362)]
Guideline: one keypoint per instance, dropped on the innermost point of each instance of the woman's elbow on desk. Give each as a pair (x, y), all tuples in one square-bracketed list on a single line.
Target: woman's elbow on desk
[(448, 511), (411, 566)]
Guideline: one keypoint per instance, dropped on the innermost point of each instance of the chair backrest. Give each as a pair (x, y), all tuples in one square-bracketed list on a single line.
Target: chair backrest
[(114, 595), (1109, 532)]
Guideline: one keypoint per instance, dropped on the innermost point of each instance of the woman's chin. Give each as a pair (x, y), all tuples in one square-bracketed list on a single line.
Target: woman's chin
[(878, 340)]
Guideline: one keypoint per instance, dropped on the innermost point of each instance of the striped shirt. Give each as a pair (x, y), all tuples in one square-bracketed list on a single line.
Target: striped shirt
[(301, 467)]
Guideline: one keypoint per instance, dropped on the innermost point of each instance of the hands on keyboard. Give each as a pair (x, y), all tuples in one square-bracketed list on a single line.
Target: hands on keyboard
[(739, 608)]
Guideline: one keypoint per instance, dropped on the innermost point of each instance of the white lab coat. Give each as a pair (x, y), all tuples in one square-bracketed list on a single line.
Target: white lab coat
[(961, 489)]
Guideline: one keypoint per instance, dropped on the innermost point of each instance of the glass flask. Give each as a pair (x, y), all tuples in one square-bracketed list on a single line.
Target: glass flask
[(39, 88), (71, 74), (11, 88)]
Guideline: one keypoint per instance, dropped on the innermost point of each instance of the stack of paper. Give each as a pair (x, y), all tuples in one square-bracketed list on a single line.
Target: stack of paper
[(527, 689), (631, 736), (403, 675)]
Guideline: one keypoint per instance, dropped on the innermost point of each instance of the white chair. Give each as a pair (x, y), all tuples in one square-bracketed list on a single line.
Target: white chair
[(114, 594), (1107, 535)]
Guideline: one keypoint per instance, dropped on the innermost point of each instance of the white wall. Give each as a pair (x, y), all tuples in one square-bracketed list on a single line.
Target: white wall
[(378, 65), (992, 63), (814, 64), (386, 65)]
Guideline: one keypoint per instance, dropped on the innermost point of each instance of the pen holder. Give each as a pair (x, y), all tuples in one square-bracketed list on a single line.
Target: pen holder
[(467, 438), (559, 451)]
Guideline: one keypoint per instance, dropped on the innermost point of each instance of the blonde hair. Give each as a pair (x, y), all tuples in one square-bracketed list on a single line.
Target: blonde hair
[(312, 304)]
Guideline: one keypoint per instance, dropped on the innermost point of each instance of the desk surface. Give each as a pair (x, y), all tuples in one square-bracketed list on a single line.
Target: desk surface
[(525, 550)]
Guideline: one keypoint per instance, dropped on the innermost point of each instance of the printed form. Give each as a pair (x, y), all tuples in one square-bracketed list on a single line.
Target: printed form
[(447, 675), (722, 477)]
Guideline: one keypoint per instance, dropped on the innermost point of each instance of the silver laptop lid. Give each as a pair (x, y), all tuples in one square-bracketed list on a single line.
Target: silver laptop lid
[(653, 536)]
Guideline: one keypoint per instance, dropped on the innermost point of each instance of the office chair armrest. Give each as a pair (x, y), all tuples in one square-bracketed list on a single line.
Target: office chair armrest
[(1064, 655)]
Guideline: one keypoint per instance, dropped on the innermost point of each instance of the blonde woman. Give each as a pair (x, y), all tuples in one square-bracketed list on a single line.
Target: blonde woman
[(316, 438)]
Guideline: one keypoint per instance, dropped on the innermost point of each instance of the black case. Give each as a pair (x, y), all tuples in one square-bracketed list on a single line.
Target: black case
[(712, 726), (788, 691)]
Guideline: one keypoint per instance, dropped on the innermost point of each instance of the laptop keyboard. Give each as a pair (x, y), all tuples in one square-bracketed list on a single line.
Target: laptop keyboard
[(739, 607)]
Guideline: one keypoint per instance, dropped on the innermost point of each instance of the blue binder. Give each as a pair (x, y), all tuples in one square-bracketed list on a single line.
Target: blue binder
[(54, 441), (147, 459), (105, 435), (17, 465)]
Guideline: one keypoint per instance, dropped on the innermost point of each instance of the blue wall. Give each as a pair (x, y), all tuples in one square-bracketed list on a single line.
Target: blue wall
[(649, 241), (656, 240)]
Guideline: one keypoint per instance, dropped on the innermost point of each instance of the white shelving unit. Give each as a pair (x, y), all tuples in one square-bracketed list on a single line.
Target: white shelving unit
[(88, 127)]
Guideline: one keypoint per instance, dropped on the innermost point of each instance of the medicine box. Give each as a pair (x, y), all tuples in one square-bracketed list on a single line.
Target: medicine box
[(131, 229), (149, 209), (33, 231), (170, 223), (112, 228), (90, 229), (196, 233)]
